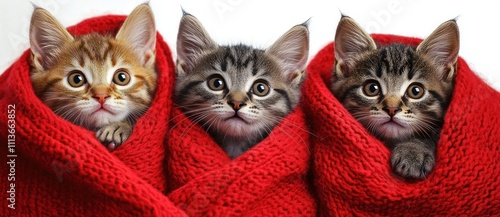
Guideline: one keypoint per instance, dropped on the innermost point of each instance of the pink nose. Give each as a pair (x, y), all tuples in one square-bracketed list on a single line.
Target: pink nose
[(237, 105), (101, 97), (392, 110)]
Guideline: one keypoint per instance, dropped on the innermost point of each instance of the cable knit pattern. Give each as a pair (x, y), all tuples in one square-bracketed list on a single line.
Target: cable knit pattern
[(267, 180), (352, 175), (63, 170)]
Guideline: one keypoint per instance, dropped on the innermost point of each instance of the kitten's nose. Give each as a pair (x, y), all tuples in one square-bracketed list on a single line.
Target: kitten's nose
[(391, 110), (101, 97), (237, 104)]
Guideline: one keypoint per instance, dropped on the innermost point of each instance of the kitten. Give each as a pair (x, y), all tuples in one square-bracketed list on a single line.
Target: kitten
[(398, 92), (238, 93), (99, 82)]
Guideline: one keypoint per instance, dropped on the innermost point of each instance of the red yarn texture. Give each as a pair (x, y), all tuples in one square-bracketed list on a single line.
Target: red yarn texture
[(267, 180), (352, 175), (63, 170)]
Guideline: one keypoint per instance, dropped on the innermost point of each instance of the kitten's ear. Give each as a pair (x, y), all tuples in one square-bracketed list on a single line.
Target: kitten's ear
[(442, 47), (192, 41), (140, 32), (350, 41), (47, 37), (292, 50)]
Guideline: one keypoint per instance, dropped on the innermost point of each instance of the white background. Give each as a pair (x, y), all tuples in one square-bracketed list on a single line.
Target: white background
[(260, 22)]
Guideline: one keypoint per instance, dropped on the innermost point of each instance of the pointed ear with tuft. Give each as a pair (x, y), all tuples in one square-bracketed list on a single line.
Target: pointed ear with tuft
[(47, 37), (292, 50), (350, 41), (139, 31), (442, 47), (192, 42)]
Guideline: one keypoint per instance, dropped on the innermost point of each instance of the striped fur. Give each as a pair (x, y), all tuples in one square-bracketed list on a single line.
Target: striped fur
[(99, 104), (235, 116), (409, 125)]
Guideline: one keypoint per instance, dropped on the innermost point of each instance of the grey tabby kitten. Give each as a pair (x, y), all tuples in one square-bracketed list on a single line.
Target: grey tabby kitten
[(238, 93), (398, 92)]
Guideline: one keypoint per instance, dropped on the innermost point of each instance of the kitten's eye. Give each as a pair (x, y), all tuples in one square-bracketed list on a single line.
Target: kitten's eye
[(260, 88), (415, 91), (216, 83), (121, 77), (371, 88), (76, 78)]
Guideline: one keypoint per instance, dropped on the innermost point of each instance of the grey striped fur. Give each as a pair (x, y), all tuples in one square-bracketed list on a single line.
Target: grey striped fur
[(235, 116), (408, 123)]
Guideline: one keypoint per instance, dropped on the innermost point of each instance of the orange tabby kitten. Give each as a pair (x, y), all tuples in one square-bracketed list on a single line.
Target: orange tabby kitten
[(99, 82)]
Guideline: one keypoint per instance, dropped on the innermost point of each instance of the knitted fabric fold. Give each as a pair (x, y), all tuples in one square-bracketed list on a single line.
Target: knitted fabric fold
[(351, 170), (63, 170), (267, 180)]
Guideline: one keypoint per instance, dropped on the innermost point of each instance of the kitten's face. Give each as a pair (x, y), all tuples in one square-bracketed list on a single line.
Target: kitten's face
[(238, 91), (94, 80), (397, 91), (239, 97)]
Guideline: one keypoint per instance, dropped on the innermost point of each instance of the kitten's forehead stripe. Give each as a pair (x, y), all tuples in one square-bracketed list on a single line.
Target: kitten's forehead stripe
[(410, 54), (255, 67), (95, 49), (113, 60), (378, 71), (229, 56), (223, 65), (397, 60), (246, 62)]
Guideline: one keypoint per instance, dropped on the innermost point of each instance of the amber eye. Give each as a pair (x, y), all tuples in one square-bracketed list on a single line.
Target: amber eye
[(415, 91), (260, 88), (216, 83), (76, 78), (121, 77), (371, 88)]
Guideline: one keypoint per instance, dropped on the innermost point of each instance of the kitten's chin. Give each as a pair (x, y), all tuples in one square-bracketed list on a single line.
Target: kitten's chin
[(392, 130), (237, 127)]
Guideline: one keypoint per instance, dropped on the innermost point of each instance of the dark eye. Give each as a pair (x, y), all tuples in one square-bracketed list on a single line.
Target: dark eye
[(216, 83), (371, 88), (76, 78), (260, 88), (121, 77), (415, 91)]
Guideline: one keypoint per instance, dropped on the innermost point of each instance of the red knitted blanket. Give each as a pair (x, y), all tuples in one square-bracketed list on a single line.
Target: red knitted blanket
[(352, 174), (62, 170), (267, 180)]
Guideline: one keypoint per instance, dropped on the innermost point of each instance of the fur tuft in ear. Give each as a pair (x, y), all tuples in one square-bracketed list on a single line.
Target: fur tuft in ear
[(139, 31), (292, 50), (350, 41), (442, 47), (192, 41), (47, 37)]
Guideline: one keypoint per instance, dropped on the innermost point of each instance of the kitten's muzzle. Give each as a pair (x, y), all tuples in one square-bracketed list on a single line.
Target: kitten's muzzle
[(101, 98), (236, 105), (391, 110)]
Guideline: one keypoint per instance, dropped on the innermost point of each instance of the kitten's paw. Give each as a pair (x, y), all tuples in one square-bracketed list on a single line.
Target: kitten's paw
[(412, 160), (114, 135)]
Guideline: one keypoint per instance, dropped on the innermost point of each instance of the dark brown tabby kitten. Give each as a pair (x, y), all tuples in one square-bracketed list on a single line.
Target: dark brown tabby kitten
[(99, 82), (398, 92), (238, 93)]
